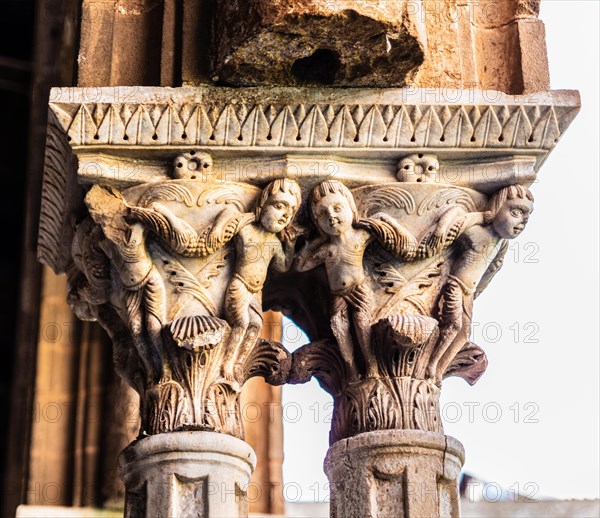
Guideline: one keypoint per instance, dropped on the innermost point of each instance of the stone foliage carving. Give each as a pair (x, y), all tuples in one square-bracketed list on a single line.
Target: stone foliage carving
[(128, 135), (175, 271), (383, 277), (402, 283), (60, 197)]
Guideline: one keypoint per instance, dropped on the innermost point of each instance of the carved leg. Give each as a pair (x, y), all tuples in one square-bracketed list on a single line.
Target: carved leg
[(451, 324), (250, 338), (132, 300), (362, 325), (236, 338), (238, 301), (361, 299), (154, 302), (340, 325), (461, 341)]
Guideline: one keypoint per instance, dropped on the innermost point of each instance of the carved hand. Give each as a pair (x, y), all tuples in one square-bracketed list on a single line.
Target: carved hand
[(447, 221), (289, 235)]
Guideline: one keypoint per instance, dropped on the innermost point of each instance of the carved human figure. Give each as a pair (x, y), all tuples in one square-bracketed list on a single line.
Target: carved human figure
[(263, 239), (418, 168), (341, 250), (341, 247), (266, 242), (143, 292), (480, 241)]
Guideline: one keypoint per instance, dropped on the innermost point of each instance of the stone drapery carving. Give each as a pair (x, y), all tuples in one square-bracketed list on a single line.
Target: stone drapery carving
[(372, 218)]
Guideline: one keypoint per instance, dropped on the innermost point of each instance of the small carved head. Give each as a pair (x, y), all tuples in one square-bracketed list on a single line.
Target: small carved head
[(509, 210), (278, 204), (418, 168), (332, 207), (192, 165)]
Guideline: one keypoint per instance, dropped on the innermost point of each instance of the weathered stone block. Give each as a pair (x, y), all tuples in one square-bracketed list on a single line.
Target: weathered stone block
[(399, 473), (202, 474), (341, 42)]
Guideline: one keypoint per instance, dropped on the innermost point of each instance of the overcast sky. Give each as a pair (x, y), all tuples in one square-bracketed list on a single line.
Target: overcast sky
[(531, 422)]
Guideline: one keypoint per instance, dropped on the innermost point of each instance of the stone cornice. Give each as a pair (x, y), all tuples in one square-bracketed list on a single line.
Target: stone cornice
[(335, 120)]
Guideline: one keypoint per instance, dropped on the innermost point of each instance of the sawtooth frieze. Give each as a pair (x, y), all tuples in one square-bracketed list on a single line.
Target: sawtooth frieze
[(289, 118)]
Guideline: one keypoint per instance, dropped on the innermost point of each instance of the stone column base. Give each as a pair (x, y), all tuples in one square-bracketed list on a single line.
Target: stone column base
[(395, 474), (202, 474)]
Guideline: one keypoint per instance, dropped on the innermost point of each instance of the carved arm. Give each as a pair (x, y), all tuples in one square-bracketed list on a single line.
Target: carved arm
[(311, 256)]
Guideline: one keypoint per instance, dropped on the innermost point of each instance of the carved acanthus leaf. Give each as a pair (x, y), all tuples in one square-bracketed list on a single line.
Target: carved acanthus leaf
[(402, 343), (223, 412), (270, 360), (470, 363), (211, 267), (446, 197), (322, 360), (382, 413), (390, 278), (400, 402), (222, 196), (61, 199), (426, 409), (166, 408), (166, 192), (389, 196), (407, 290), (182, 280)]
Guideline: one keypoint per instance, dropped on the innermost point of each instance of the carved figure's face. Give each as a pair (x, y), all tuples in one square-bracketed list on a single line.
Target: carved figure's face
[(191, 166), (278, 212), (334, 214), (418, 168), (512, 217)]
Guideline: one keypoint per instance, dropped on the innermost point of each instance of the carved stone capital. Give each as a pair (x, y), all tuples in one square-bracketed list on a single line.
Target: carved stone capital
[(373, 218), (403, 263), (159, 265)]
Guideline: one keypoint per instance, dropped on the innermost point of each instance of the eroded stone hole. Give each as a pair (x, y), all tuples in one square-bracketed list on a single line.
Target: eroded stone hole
[(319, 68)]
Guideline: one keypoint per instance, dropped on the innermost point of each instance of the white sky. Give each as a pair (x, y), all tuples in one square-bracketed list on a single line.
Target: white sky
[(538, 321)]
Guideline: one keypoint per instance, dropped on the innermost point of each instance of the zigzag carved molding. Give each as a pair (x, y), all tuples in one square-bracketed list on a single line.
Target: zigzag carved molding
[(245, 121)]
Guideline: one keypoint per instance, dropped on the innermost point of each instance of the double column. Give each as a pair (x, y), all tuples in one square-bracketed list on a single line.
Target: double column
[(372, 217)]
